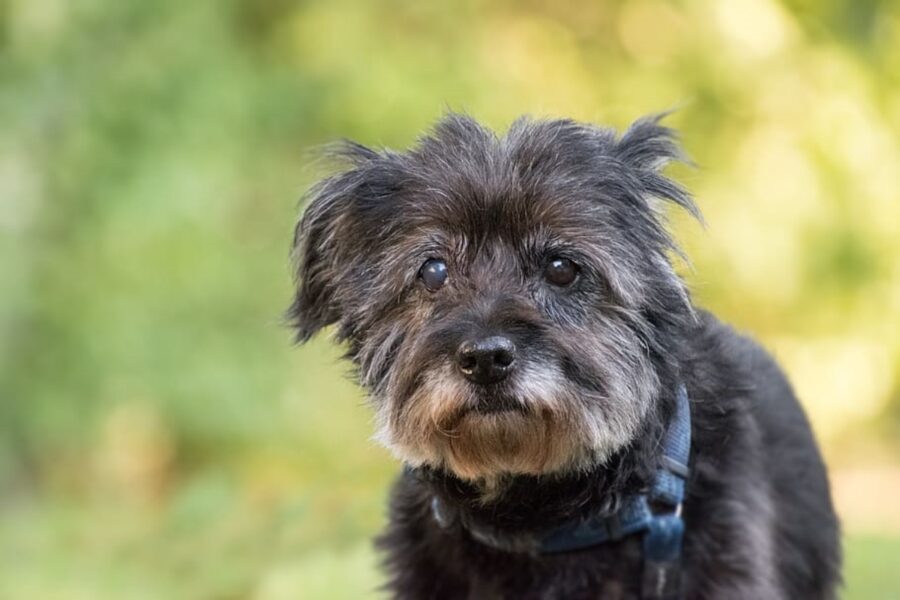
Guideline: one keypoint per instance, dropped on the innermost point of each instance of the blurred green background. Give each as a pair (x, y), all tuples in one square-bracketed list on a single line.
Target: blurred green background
[(160, 437)]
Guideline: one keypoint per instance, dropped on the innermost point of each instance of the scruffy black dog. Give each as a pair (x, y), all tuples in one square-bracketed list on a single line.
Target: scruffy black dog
[(534, 360)]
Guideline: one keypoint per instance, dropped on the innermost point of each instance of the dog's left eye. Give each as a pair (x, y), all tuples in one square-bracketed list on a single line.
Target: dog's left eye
[(433, 274), (560, 271)]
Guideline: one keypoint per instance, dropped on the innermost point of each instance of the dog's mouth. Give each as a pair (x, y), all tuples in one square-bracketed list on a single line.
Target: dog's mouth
[(449, 399), (486, 406), (490, 407), (496, 400)]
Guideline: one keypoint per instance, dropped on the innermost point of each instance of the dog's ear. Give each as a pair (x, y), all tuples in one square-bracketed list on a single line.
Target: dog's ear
[(647, 147), (320, 240)]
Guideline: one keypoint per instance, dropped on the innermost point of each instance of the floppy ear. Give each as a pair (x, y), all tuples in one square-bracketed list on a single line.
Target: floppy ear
[(315, 241), (647, 147), (319, 251)]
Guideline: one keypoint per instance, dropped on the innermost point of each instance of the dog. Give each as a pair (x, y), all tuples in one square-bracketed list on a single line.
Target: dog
[(570, 424)]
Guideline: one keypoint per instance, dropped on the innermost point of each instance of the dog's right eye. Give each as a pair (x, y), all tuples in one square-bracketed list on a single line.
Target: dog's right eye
[(433, 274)]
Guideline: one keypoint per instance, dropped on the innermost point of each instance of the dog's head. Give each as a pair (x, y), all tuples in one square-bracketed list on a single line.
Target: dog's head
[(503, 298)]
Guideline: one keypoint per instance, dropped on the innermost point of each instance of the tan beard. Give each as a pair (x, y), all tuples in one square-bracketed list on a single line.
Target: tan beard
[(437, 426)]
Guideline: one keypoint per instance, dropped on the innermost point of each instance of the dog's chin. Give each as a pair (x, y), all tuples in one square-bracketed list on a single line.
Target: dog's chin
[(488, 443)]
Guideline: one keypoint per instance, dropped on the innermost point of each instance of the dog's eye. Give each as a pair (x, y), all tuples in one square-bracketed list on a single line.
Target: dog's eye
[(560, 271), (433, 274)]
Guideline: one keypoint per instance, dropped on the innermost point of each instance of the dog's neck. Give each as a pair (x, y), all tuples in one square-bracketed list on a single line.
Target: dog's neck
[(513, 504), (527, 503)]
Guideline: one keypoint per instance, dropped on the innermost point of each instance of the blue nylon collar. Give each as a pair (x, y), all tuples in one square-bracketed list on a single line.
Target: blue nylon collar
[(662, 531)]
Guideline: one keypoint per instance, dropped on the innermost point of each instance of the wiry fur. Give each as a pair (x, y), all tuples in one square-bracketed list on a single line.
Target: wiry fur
[(579, 422)]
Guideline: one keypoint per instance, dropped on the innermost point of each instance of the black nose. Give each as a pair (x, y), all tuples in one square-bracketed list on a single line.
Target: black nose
[(487, 360)]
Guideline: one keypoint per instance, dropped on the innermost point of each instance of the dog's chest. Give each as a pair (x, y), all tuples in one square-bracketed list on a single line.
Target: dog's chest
[(610, 571), (606, 590)]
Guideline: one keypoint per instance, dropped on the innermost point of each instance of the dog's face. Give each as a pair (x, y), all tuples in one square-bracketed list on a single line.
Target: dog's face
[(501, 297)]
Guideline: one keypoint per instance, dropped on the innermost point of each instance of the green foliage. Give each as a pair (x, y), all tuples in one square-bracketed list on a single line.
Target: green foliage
[(160, 437)]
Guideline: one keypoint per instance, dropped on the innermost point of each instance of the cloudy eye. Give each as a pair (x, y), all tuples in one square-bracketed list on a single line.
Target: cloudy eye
[(560, 271), (433, 274)]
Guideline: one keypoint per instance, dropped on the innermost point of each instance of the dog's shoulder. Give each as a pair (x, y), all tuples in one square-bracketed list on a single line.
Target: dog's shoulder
[(729, 366)]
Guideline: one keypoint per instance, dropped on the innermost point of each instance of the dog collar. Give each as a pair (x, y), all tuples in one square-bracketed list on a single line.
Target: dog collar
[(662, 530)]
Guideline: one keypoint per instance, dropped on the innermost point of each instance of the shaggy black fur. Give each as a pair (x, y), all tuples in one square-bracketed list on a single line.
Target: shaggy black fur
[(598, 363)]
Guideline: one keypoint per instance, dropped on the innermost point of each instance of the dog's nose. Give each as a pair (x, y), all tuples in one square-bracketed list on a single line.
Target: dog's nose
[(487, 360)]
